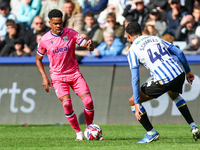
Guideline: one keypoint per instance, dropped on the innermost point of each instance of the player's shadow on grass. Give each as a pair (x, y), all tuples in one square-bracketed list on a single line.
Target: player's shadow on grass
[(81, 118), (181, 140)]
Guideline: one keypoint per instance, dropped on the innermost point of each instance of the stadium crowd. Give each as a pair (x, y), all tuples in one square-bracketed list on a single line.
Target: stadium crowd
[(24, 22)]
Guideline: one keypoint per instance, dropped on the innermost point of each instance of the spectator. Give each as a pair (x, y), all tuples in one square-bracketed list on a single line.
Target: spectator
[(19, 44), (157, 4), (27, 11), (95, 6), (81, 3), (112, 24), (47, 6), (196, 3), (161, 6), (14, 31), (14, 4), (113, 7), (42, 1), (156, 23), (4, 16), (71, 18), (111, 46), (146, 2), (145, 32), (167, 37), (187, 27), (150, 28), (137, 12), (124, 3), (174, 16), (196, 14), (8, 1), (193, 46), (190, 4), (30, 37), (38, 37), (77, 7), (125, 41), (91, 28)]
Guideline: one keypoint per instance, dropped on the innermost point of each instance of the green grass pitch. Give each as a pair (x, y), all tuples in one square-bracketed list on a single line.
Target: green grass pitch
[(117, 137)]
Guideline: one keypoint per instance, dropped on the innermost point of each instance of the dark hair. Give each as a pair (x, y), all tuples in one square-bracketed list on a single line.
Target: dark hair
[(133, 28), (111, 15), (20, 41), (55, 13), (69, 1), (10, 22), (196, 7), (89, 14), (41, 33)]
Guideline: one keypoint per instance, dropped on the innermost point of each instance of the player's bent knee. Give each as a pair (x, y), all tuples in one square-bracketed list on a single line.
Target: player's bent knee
[(173, 95), (89, 105), (87, 101), (67, 103)]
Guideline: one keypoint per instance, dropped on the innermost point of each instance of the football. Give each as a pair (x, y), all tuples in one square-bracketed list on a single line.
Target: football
[(93, 132)]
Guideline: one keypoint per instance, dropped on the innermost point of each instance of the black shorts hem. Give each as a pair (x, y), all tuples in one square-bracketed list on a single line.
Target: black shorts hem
[(154, 89)]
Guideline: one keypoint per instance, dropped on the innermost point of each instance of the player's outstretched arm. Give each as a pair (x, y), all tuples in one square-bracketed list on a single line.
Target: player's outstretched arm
[(189, 75), (46, 83), (176, 51), (89, 45)]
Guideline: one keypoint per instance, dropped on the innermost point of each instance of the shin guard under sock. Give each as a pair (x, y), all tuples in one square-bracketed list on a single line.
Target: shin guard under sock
[(70, 115), (144, 121), (182, 106), (89, 109)]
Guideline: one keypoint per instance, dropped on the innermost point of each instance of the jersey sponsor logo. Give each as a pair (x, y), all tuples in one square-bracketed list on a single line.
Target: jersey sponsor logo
[(60, 50), (142, 39)]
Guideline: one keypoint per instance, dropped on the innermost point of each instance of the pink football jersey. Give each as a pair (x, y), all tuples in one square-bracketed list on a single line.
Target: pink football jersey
[(61, 50)]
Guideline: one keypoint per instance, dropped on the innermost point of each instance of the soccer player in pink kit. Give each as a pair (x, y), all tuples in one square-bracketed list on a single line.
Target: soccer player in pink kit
[(59, 44)]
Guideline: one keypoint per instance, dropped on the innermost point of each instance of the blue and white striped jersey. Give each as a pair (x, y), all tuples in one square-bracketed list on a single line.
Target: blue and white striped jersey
[(154, 54)]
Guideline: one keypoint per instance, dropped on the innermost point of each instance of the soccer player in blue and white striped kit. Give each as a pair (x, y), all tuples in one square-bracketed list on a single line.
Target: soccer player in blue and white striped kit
[(167, 76)]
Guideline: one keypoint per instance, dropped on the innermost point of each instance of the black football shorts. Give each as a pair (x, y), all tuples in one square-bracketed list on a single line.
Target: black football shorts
[(155, 89)]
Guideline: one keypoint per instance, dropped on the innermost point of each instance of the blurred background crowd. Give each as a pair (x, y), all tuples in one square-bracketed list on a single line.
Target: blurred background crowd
[(24, 22)]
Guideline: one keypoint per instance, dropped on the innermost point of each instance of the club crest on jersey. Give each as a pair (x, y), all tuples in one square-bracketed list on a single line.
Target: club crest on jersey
[(65, 38)]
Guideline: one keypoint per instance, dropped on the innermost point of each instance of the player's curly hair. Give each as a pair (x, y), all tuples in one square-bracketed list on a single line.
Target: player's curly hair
[(133, 28), (55, 13)]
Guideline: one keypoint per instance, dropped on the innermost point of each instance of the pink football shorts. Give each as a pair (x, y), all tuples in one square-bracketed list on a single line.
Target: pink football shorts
[(75, 80)]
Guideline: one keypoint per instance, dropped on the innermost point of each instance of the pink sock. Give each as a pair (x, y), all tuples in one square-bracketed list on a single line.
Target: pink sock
[(70, 115), (89, 109)]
